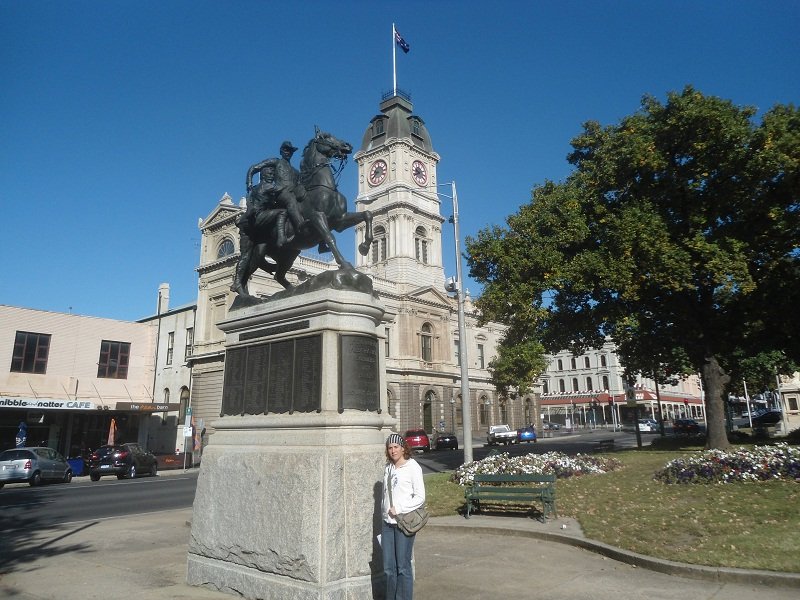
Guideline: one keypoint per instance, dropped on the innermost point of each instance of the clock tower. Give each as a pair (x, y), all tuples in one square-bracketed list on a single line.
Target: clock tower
[(397, 182)]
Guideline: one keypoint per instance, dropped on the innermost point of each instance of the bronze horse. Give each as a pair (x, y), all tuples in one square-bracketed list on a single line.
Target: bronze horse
[(324, 209)]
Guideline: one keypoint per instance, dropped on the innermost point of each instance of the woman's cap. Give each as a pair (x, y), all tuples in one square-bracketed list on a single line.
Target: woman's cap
[(395, 438)]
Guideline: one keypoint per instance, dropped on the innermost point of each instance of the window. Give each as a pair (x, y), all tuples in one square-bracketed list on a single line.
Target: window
[(225, 248), (170, 346), (602, 360), (415, 126), (378, 244), (574, 384), (481, 363), (184, 404), (386, 343), (30, 352), (421, 245), (545, 387), (113, 363), (574, 363), (561, 386), (379, 127), (560, 365), (427, 342), (166, 395), (605, 382), (589, 384), (586, 363), (457, 351), (187, 351)]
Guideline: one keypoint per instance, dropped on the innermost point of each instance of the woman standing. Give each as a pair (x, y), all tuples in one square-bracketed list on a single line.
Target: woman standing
[(403, 491)]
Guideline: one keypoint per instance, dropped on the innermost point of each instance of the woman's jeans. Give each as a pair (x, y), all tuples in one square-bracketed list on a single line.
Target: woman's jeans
[(397, 549)]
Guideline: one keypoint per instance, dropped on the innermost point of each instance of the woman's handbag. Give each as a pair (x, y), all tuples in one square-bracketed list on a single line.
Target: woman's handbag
[(411, 522)]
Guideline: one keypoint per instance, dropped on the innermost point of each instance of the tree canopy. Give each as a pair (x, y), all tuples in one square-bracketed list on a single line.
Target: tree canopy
[(676, 236)]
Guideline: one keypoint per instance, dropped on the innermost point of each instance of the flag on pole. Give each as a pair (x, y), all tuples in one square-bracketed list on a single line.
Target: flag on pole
[(401, 42)]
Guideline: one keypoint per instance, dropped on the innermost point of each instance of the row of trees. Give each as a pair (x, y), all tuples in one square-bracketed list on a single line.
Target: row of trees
[(676, 235)]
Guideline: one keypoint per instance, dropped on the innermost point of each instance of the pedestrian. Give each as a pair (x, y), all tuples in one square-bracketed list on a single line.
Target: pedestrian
[(403, 491)]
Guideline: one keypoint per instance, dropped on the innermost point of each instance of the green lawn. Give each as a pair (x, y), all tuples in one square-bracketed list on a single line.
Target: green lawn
[(745, 525)]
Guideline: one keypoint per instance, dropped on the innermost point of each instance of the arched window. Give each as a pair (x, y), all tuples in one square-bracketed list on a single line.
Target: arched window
[(561, 386), (379, 127), (589, 384), (560, 365), (574, 384), (574, 363), (545, 387), (605, 382), (586, 363), (166, 395), (421, 243), (184, 404), (378, 244), (426, 342), (603, 360), (226, 248)]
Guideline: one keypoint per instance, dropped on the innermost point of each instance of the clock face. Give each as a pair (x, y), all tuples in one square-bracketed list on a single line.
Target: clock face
[(377, 172), (419, 172)]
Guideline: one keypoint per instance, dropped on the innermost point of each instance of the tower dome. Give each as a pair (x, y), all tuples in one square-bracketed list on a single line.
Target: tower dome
[(396, 121)]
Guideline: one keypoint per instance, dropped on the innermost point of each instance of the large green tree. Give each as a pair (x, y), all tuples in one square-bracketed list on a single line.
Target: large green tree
[(676, 235)]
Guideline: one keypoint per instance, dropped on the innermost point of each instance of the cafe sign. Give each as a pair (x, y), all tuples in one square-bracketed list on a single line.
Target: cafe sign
[(45, 404), (146, 407)]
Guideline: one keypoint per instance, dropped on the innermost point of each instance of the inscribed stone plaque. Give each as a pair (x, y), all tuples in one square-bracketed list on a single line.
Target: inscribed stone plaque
[(256, 379), (233, 384), (358, 373), (279, 393), (307, 374)]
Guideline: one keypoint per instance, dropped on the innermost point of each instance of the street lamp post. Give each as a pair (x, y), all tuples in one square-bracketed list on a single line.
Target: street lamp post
[(466, 414)]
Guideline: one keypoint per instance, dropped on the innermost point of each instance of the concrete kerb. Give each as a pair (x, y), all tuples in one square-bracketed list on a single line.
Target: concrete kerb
[(668, 567)]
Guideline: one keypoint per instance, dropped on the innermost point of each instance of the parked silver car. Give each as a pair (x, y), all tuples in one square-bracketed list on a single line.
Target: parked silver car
[(33, 466)]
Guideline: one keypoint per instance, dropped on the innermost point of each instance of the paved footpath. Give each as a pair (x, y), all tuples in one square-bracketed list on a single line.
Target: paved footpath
[(143, 557)]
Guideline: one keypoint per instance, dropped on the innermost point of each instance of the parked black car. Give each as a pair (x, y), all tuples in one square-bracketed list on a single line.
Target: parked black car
[(122, 460), (445, 440), (685, 427), (769, 417)]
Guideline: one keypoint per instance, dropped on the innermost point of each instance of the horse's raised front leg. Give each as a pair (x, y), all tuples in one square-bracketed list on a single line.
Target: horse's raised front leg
[(319, 221), (350, 219)]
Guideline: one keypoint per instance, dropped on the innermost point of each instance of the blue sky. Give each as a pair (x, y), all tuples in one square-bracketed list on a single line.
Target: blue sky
[(124, 122)]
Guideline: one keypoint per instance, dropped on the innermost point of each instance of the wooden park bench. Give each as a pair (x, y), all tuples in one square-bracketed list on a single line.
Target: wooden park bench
[(604, 445), (516, 489)]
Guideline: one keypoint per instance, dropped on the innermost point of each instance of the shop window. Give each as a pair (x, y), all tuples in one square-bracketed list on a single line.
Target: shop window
[(113, 362), (30, 352)]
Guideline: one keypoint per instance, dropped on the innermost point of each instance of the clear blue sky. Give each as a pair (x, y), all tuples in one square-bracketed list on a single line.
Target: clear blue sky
[(124, 122)]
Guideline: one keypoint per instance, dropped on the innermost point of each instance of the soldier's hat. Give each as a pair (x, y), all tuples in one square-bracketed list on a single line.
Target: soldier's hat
[(288, 145)]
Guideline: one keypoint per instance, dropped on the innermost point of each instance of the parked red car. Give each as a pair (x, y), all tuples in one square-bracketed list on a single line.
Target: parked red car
[(417, 439)]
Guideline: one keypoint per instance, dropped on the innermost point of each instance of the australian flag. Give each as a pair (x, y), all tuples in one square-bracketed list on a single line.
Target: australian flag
[(401, 42)]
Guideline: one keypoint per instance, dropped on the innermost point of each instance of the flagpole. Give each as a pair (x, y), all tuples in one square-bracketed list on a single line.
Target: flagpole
[(394, 59)]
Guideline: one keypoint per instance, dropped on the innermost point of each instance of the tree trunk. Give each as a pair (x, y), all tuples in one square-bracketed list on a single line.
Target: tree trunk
[(715, 384)]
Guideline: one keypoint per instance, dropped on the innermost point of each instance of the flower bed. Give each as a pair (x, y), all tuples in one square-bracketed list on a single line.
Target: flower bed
[(551, 462), (761, 463)]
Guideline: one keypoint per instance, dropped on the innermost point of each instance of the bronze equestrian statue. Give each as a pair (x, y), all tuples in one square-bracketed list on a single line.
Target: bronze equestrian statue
[(318, 207)]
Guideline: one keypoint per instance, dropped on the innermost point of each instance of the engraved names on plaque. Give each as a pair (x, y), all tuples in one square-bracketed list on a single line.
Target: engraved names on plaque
[(358, 373), (273, 377)]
